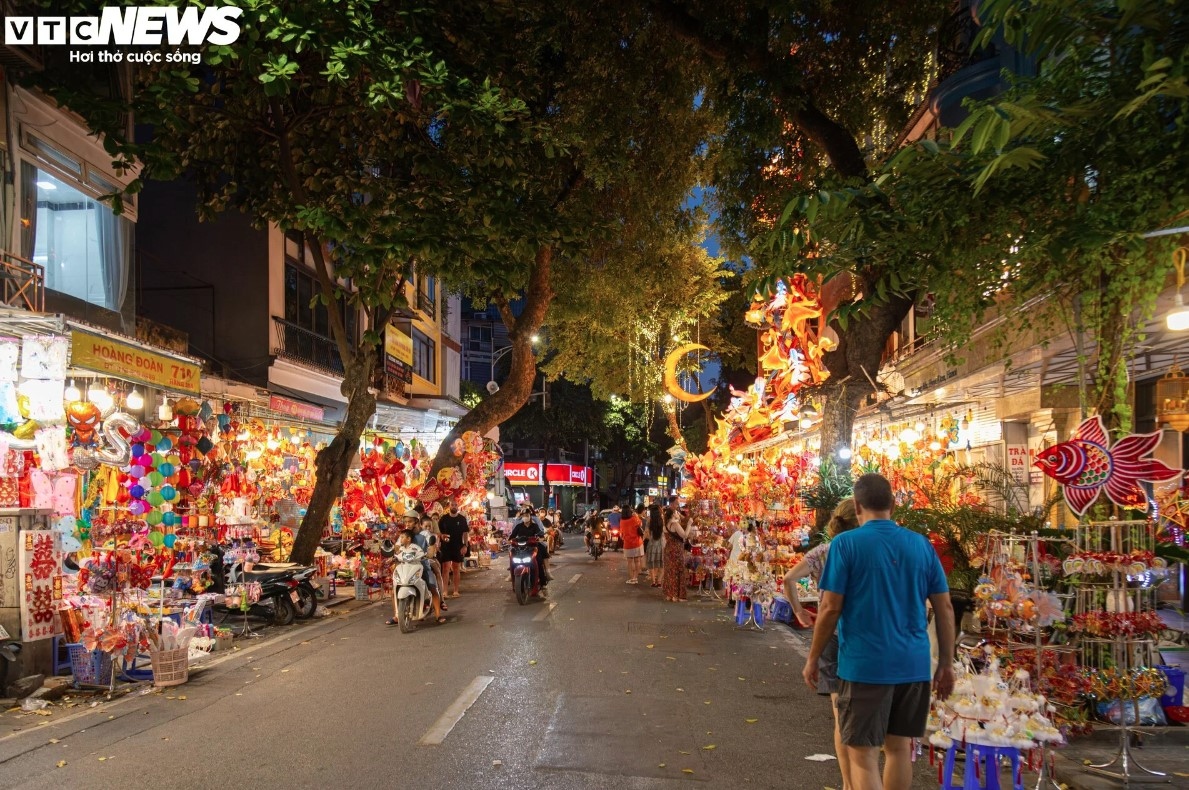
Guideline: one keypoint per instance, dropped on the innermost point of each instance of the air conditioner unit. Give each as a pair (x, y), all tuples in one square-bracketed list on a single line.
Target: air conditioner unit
[(26, 57)]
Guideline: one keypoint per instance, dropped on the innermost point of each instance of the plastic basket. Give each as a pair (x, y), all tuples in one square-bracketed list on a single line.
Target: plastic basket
[(360, 590), (89, 667), (223, 642), (170, 667)]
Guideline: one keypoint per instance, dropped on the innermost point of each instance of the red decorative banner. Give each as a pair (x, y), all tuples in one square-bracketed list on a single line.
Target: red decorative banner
[(42, 583)]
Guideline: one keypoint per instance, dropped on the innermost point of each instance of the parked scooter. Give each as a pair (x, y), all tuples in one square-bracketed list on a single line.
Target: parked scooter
[(414, 601), (9, 648), (526, 576), (284, 589)]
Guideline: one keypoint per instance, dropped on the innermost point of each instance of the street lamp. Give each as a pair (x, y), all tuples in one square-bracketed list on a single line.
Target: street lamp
[(492, 386)]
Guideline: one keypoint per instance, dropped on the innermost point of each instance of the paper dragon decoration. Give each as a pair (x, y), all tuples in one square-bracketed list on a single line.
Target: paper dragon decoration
[(790, 359), (1087, 464)]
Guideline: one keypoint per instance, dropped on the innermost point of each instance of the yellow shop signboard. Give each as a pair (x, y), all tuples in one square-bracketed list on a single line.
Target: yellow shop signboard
[(126, 361)]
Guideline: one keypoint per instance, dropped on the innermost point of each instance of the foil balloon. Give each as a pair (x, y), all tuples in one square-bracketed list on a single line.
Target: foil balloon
[(117, 451)]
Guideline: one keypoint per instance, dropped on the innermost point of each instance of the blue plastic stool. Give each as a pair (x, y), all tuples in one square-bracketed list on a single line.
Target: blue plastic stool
[(751, 611), (60, 656), (782, 610), (989, 757)]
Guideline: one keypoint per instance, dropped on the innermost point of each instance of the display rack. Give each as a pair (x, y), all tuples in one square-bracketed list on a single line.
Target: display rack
[(1001, 545), (1113, 591)]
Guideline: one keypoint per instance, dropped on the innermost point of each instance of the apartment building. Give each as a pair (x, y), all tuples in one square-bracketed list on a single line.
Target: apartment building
[(246, 298)]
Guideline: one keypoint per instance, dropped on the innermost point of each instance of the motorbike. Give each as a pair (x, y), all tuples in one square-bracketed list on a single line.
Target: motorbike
[(414, 602), (616, 542), (553, 539), (596, 543), (9, 648), (522, 563), (286, 590)]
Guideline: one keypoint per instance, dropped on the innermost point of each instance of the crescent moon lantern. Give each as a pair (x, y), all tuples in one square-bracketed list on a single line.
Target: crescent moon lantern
[(672, 386)]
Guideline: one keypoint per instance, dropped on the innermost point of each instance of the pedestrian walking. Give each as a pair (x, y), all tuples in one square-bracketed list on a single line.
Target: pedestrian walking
[(842, 520), (631, 529), (654, 546), (674, 572), (454, 531), (874, 587)]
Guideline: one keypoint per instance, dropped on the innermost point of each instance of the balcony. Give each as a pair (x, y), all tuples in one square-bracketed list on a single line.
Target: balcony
[(298, 344), (426, 304), (23, 281)]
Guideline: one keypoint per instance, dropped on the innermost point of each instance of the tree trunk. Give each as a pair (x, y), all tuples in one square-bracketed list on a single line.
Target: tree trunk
[(518, 387), (334, 461), (857, 359), (674, 430)]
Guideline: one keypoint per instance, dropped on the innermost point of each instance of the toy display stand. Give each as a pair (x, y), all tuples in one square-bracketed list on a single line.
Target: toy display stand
[(1125, 653), (1006, 543)]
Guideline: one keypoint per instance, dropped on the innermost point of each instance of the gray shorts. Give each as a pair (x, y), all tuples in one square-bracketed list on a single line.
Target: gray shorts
[(827, 668), (869, 712)]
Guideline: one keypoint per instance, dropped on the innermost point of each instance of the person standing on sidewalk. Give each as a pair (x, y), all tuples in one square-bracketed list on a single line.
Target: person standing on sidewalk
[(842, 520), (454, 531), (874, 587), (631, 530), (674, 575), (655, 547)]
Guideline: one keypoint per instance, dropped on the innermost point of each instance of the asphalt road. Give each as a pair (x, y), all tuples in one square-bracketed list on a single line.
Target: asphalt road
[(602, 685)]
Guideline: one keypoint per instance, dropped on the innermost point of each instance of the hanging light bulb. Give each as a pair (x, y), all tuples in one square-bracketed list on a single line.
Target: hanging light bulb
[(909, 436), (99, 395), (919, 427), (844, 453), (935, 445), (72, 393), (134, 401), (1178, 318), (165, 411)]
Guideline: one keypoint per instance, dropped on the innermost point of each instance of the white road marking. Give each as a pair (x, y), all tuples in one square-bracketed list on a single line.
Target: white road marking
[(442, 727), (574, 579), (541, 615)]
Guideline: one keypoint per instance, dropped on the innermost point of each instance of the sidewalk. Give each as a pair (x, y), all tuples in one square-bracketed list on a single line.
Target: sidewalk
[(1164, 749), (15, 720)]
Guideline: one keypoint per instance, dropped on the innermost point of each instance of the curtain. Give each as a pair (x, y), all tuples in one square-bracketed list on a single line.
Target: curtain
[(115, 251), (28, 210)]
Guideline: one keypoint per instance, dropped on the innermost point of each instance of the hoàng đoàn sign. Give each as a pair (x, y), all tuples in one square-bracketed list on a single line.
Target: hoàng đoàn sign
[(115, 358)]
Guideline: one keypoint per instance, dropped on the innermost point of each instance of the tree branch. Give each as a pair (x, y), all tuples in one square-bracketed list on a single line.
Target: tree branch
[(338, 326)]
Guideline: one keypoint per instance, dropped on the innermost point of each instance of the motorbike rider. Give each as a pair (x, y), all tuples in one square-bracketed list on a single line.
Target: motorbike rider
[(409, 550), (529, 527)]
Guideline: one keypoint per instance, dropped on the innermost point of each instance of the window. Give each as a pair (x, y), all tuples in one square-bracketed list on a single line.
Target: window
[(427, 294), (424, 357), (480, 338), (301, 288), (85, 248)]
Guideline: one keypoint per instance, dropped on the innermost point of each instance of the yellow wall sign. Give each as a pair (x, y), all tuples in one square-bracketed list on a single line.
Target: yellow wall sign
[(398, 344), (122, 360)]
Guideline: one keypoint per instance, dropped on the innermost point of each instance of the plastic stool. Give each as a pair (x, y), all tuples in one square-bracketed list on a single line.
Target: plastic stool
[(60, 656), (989, 757), (782, 610)]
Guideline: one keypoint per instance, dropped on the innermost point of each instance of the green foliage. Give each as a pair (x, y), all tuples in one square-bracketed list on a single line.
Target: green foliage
[(469, 393), (573, 417), (614, 324), (1037, 204), (834, 484)]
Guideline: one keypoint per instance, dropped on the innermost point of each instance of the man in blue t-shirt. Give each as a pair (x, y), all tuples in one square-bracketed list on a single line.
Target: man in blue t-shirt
[(874, 587)]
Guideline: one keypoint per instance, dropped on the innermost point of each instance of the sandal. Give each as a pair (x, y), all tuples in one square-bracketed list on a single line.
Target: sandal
[(391, 621), (441, 620)]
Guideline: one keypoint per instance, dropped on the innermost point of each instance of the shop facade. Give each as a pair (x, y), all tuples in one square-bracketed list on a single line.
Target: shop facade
[(570, 487)]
